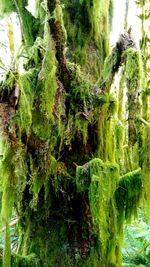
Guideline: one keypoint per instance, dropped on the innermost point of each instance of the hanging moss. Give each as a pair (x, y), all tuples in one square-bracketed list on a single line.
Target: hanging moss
[(111, 65), (146, 170), (7, 249), (106, 146), (7, 188), (26, 86), (101, 195), (121, 94), (128, 195), (87, 34), (100, 181), (133, 76), (119, 142), (45, 96)]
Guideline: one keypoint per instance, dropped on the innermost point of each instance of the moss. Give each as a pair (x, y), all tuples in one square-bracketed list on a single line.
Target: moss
[(119, 142), (7, 249), (101, 195), (27, 85), (106, 146), (26, 261), (47, 77), (111, 65), (100, 180), (45, 94), (128, 195), (133, 75), (146, 170), (87, 34), (121, 94), (7, 188)]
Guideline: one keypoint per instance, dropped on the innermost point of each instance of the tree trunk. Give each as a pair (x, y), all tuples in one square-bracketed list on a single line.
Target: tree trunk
[(59, 141)]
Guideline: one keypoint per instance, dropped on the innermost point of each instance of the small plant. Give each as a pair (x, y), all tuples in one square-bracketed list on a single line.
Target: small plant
[(136, 249)]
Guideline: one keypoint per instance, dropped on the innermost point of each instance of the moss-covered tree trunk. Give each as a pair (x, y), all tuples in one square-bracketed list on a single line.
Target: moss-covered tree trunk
[(60, 167)]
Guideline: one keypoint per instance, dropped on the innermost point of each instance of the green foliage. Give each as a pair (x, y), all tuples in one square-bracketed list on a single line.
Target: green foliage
[(6, 7), (136, 248)]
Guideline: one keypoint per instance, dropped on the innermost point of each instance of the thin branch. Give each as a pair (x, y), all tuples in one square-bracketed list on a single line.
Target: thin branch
[(144, 121), (12, 223)]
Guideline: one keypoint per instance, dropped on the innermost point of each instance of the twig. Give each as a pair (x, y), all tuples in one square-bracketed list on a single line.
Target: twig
[(144, 121), (12, 223)]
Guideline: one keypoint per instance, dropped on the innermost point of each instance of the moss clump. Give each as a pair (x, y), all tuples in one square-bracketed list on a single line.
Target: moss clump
[(87, 34), (100, 180), (106, 145), (133, 75), (102, 205), (128, 195), (26, 86), (111, 65), (45, 94)]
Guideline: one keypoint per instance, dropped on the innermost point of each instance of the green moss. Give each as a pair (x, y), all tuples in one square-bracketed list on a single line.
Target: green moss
[(45, 95), (146, 170), (133, 67), (128, 195), (47, 77), (7, 188), (119, 142), (7, 248), (87, 34), (121, 94), (106, 145), (26, 261), (26, 84), (111, 65), (133, 73), (101, 195), (100, 180)]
